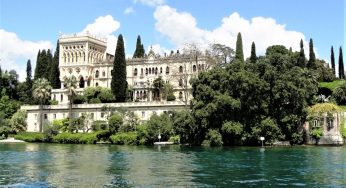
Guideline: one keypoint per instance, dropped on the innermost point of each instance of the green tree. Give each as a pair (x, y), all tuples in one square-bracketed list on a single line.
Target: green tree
[(158, 84), (232, 132), (71, 86), (48, 65), (339, 94), (54, 75), (38, 68), (312, 58), (118, 83), (332, 59), (159, 125), (185, 126), (253, 57), (18, 121), (239, 55), (8, 106), (301, 58), (139, 52), (341, 65), (114, 123), (41, 91)]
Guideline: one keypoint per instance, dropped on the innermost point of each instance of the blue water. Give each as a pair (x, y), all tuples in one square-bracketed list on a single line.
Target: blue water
[(53, 165)]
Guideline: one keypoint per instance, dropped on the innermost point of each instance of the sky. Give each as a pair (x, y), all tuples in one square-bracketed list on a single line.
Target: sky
[(29, 25)]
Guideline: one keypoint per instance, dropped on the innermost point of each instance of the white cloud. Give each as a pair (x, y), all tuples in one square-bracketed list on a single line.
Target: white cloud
[(181, 28), (104, 26), (14, 52), (129, 10), (152, 3)]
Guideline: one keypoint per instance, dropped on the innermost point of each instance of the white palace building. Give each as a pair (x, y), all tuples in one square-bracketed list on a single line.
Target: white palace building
[(84, 56)]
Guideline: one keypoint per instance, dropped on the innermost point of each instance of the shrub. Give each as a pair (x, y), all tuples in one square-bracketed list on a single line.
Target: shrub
[(170, 97), (77, 138), (114, 123), (316, 133), (106, 96), (103, 135), (30, 137), (213, 138), (128, 138), (99, 125), (79, 99), (175, 139), (95, 101), (53, 102)]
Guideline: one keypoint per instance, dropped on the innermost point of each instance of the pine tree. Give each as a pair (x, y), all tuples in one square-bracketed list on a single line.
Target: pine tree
[(341, 65), (332, 59), (253, 57), (312, 58), (38, 69), (239, 55), (301, 58), (118, 83), (54, 71)]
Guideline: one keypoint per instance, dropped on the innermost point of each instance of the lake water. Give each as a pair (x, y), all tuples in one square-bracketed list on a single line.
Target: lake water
[(53, 165)]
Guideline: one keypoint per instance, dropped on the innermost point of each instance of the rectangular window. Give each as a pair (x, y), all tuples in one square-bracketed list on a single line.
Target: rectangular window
[(102, 114), (92, 116), (45, 116), (143, 114), (54, 116)]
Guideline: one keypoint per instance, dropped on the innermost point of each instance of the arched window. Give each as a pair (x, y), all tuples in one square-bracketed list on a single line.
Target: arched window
[(61, 97), (180, 82), (97, 84), (160, 70), (141, 95), (145, 95), (146, 71), (97, 74), (81, 82), (180, 95), (194, 68), (181, 69), (149, 70), (199, 67), (156, 70), (167, 70), (137, 94), (135, 72), (202, 66), (141, 71), (84, 56), (104, 73)]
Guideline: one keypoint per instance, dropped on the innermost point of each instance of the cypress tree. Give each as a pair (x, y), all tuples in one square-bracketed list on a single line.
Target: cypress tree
[(54, 71), (38, 69), (28, 82), (332, 59), (341, 65), (48, 65), (301, 58), (139, 52), (312, 58), (239, 55), (118, 83), (253, 56), (1, 85)]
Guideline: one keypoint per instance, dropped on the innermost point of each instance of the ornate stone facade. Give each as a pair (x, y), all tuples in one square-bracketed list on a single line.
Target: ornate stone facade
[(85, 57)]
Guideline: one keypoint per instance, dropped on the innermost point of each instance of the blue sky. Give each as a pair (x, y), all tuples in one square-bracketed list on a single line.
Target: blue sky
[(28, 25)]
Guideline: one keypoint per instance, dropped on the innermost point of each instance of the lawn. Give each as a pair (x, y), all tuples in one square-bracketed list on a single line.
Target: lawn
[(331, 85), (343, 108)]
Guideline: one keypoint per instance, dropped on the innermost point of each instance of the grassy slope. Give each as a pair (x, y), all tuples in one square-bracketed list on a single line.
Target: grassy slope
[(331, 85)]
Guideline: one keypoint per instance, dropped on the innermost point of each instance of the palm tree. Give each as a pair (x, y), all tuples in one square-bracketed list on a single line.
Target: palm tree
[(71, 86), (41, 92)]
